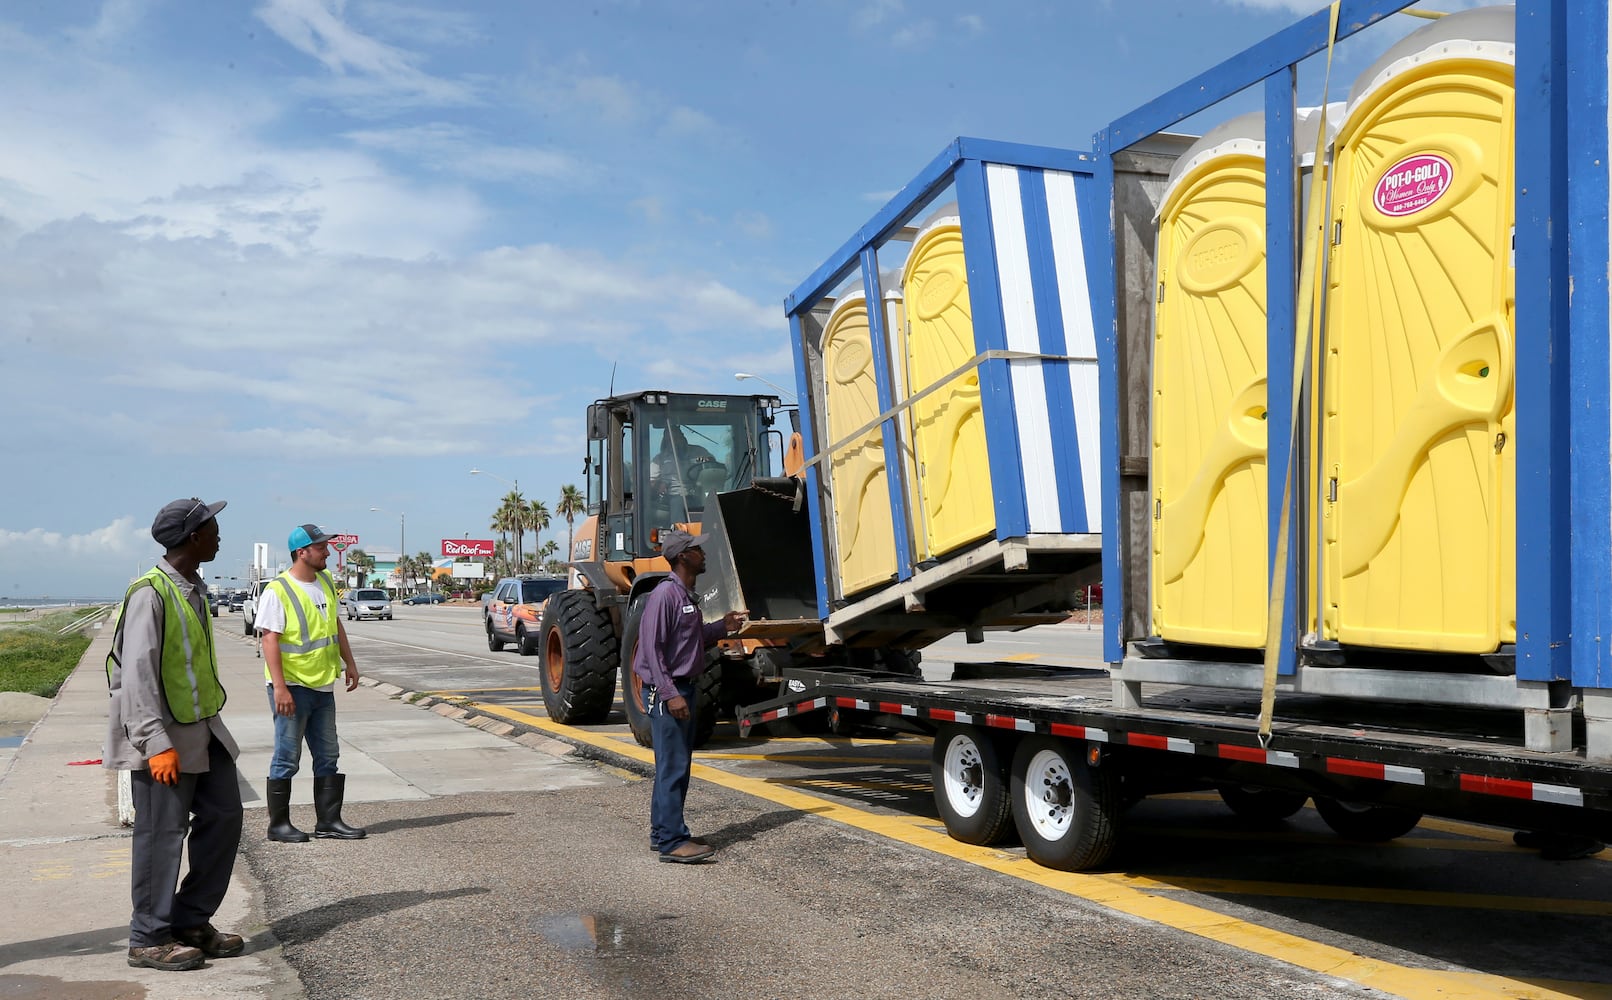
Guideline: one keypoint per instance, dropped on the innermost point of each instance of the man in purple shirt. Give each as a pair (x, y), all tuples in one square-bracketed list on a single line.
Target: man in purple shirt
[(672, 640)]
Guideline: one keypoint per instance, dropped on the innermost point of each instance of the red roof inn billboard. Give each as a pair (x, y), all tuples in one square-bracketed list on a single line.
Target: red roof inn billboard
[(467, 547)]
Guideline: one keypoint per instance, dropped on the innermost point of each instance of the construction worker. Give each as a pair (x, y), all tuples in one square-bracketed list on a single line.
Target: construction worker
[(304, 648), (165, 729), (672, 641)]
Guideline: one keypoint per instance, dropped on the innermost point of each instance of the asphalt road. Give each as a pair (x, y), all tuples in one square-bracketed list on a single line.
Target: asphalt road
[(834, 880)]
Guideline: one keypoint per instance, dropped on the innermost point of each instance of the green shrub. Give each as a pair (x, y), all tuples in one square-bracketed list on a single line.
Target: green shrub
[(37, 661)]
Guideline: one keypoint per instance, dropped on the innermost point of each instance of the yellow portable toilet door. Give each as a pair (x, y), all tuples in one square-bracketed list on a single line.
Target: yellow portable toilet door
[(954, 504), (1209, 572), (1417, 455), (864, 529)]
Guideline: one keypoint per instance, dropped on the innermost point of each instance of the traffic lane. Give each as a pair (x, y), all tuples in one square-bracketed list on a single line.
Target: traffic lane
[(557, 893), (1198, 851), (1186, 861)]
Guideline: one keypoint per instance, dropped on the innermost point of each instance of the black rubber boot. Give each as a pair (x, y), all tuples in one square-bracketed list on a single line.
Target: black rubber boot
[(327, 797), (280, 828)]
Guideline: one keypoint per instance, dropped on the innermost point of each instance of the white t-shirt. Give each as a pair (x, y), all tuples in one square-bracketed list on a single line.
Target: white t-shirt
[(271, 615)]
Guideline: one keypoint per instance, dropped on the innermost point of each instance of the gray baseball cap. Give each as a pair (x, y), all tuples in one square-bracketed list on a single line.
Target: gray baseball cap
[(179, 519), (674, 543)]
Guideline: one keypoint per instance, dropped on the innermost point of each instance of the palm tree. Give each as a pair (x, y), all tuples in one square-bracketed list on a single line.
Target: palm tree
[(363, 563), (427, 567), (571, 504), (537, 518), (513, 511)]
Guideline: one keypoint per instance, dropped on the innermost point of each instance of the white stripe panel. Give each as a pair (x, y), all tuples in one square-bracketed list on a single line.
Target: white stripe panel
[(1403, 775), (1177, 745), (1559, 794), (1080, 335), (1097, 735), (909, 710), (863, 705), (1018, 315), (1024, 725), (1281, 758), (964, 717)]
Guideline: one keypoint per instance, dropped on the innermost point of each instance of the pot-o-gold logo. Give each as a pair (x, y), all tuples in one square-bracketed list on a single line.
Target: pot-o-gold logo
[(1413, 184)]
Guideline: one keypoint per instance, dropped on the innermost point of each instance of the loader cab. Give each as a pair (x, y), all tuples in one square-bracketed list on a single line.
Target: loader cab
[(657, 459)]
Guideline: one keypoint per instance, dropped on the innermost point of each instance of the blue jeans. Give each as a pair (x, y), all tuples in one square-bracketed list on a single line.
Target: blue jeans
[(674, 752), (315, 720)]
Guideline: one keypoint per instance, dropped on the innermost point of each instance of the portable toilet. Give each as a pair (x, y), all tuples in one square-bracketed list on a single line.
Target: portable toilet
[(863, 524), (951, 504), (1418, 440), (1210, 560)]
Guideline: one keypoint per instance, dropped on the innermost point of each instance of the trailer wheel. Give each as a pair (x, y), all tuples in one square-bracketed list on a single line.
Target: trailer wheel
[(1366, 821), (579, 659), (525, 641), (1067, 813), (970, 780), (707, 689), (1262, 805)]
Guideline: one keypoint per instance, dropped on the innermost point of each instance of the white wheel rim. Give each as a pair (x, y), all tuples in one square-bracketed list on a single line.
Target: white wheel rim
[(1049, 791), (965, 776)]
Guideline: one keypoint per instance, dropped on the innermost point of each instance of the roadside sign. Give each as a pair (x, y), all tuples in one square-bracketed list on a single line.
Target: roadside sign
[(341, 543), (482, 547)]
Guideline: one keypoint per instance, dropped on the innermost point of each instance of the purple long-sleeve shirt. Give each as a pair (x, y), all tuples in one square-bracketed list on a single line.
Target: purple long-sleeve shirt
[(673, 636)]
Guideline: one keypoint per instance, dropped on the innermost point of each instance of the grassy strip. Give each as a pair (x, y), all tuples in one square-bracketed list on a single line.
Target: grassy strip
[(35, 660)]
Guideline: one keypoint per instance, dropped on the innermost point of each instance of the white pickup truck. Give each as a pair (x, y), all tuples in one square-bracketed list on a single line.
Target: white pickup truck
[(249, 606)]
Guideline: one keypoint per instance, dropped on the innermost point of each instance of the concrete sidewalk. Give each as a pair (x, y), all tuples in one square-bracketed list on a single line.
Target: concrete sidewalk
[(64, 860)]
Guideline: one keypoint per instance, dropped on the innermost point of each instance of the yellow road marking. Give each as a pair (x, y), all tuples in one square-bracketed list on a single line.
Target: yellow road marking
[(815, 758), (1115, 892), (454, 691), (1361, 894)]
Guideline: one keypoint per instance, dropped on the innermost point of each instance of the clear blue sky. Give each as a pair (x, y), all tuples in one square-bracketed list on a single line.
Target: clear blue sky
[(315, 256)]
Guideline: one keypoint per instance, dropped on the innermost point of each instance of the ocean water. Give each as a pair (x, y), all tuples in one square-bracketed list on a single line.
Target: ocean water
[(55, 602)]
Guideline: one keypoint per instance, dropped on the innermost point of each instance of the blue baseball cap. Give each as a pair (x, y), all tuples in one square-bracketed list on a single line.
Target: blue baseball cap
[(304, 535)]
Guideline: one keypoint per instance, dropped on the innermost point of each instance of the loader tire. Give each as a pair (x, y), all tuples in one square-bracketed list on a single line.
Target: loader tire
[(579, 659), (707, 689)]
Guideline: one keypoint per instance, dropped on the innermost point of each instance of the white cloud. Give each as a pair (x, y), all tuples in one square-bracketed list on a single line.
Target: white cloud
[(122, 537), (971, 23), (873, 13), (365, 71), (455, 149)]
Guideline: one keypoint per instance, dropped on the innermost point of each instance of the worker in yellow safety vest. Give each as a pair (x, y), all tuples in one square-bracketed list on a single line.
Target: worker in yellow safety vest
[(304, 649), (164, 728)]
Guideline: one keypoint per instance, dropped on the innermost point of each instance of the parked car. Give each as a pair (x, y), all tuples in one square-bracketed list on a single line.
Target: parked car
[(366, 602), (424, 599), (515, 607), (236, 600), (249, 606), (214, 601)]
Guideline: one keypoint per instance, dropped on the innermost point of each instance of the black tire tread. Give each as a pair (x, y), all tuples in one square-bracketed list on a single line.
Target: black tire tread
[(1096, 833), (994, 820), (591, 657)]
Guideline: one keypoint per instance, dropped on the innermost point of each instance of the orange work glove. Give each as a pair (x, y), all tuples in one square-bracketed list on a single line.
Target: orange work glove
[(165, 766)]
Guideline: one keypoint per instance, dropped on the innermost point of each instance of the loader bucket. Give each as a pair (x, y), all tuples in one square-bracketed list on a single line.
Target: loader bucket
[(760, 558)]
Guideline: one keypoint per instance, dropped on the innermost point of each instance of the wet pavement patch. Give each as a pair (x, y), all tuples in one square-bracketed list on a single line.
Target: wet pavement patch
[(586, 933), (10, 741)]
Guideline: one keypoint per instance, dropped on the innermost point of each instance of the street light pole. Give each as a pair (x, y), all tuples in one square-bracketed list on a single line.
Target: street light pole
[(402, 550), (741, 376)]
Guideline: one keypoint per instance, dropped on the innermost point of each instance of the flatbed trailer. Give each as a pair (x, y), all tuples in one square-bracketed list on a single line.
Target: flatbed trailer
[(1053, 756)]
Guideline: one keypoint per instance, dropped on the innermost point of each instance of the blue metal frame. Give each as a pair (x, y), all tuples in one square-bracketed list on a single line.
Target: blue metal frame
[(880, 343), (996, 383), (1281, 237), (1582, 144), (1543, 460), (814, 511), (1102, 283)]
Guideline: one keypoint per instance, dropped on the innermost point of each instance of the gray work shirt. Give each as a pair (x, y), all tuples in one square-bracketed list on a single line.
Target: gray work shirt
[(139, 725)]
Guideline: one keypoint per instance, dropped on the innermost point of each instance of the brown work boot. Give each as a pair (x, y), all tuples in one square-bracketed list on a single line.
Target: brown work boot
[(687, 853), (213, 942), (170, 957)]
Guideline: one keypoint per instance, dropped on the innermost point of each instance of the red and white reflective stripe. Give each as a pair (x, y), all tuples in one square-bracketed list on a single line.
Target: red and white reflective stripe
[(947, 715), (1009, 722), (1381, 772), (1172, 743), (1079, 732), (1257, 755), (1511, 788), (777, 713), (856, 703), (807, 706)]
